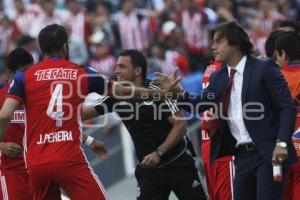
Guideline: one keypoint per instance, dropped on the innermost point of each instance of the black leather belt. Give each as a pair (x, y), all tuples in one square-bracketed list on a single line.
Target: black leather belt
[(246, 147)]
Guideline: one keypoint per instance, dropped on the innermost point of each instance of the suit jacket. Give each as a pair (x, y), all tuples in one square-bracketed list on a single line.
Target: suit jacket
[(270, 114)]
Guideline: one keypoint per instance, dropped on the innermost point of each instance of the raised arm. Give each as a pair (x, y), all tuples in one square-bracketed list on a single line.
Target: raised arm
[(190, 102), (119, 91)]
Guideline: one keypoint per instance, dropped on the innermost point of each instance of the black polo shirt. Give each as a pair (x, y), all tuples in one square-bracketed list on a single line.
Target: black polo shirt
[(147, 122)]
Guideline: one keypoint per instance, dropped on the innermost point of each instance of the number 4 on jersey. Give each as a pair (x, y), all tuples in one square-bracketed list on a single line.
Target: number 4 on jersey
[(56, 100)]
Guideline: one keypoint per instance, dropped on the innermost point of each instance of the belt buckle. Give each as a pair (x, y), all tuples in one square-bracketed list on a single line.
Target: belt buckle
[(249, 147)]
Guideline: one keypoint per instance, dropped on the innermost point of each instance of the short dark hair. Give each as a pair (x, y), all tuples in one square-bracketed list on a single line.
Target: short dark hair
[(270, 42), (294, 24), (18, 58), (235, 35), (25, 40), (290, 43), (137, 59), (52, 39)]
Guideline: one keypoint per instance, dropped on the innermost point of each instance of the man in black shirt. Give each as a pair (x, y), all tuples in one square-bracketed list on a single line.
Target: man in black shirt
[(158, 132)]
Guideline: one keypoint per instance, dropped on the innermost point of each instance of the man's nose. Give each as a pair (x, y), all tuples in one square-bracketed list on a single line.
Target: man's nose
[(117, 70), (213, 46)]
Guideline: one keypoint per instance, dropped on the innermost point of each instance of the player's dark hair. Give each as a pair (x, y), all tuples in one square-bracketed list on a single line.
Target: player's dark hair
[(52, 39), (290, 43), (270, 42), (235, 35), (137, 59), (294, 24), (25, 40), (19, 58)]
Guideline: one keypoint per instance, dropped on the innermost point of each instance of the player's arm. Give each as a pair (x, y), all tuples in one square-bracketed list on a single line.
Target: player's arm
[(187, 101), (96, 146), (120, 91), (102, 106), (98, 84), (175, 135), (6, 113), (89, 112), (129, 91)]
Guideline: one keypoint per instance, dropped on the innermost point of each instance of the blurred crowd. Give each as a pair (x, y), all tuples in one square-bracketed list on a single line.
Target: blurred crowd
[(169, 32)]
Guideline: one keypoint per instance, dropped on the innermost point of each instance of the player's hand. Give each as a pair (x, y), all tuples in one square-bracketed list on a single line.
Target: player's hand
[(150, 160), (10, 149), (280, 154), (99, 149), (168, 83)]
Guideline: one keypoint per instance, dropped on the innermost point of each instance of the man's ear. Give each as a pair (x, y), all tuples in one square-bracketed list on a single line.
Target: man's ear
[(138, 71), (66, 50), (10, 74), (285, 56)]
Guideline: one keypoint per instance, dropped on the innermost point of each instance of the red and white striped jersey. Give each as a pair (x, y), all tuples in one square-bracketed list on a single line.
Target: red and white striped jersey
[(14, 134), (78, 25), (214, 66), (5, 39), (59, 17), (132, 31), (104, 66), (196, 34), (23, 22)]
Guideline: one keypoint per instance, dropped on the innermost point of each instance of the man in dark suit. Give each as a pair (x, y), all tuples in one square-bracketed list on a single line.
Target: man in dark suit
[(256, 114)]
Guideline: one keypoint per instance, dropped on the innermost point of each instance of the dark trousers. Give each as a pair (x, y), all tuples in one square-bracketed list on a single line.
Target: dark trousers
[(254, 178), (181, 177)]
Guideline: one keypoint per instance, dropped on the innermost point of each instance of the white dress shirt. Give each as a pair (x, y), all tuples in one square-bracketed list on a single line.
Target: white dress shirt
[(235, 111)]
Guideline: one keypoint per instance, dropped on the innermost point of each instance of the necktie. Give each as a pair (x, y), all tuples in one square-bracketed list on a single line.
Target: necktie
[(214, 124), (226, 98)]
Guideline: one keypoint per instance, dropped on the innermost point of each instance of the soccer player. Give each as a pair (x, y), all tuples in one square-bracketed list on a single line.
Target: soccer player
[(158, 135), (52, 92), (14, 177), (287, 53), (219, 174)]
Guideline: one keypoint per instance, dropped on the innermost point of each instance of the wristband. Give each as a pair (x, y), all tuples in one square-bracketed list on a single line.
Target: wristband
[(89, 140), (159, 152)]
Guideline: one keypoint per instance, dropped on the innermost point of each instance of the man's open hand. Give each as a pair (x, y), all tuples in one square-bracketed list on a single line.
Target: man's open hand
[(168, 83)]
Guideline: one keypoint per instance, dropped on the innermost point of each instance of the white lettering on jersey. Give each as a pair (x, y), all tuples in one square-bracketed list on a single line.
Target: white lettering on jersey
[(18, 117), (56, 74), (59, 136)]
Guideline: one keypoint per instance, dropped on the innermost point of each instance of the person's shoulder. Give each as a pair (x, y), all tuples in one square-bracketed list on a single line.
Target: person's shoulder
[(90, 70), (217, 73), (258, 62), (3, 85), (20, 74), (262, 66), (94, 73)]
